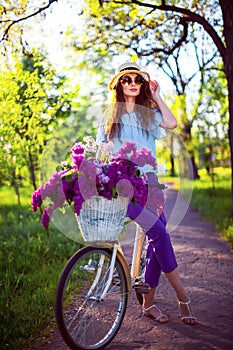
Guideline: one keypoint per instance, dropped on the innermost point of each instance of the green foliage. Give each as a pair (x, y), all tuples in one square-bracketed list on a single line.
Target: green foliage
[(144, 29), (212, 111), (13, 18), (210, 118), (33, 99), (22, 98), (31, 263)]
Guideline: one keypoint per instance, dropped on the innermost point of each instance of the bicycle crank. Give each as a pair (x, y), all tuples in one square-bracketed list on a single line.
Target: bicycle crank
[(142, 288)]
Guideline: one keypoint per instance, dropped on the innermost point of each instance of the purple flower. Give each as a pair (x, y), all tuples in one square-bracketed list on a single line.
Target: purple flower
[(78, 148), (36, 201), (88, 168), (77, 160), (77, 155), (125, 188), (78, 201), (88, 176), (156, 199), (45, 218), (126, 150), (143, 157), (87, 187), (68, 187)]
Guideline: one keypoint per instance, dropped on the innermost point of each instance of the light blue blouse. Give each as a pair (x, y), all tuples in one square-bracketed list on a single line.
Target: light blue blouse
[(131, 130)]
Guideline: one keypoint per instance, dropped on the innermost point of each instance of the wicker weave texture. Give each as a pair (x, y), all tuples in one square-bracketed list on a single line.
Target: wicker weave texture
[(101, 219)]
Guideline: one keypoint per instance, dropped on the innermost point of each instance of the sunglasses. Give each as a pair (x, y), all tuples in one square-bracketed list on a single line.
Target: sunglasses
[(126, 80)]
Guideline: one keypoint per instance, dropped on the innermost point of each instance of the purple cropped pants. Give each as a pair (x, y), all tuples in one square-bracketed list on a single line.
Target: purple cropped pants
[(160, 254)]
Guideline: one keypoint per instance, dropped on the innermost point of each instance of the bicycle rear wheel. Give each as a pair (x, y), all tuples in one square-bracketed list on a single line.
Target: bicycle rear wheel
[(85, 321)]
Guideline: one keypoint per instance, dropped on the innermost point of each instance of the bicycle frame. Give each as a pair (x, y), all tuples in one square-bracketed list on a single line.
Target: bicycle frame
[(138, 242), (118, 253), (113, 259)]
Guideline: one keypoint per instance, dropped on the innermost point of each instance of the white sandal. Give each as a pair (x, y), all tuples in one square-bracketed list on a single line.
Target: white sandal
[(158, 319), (190, 316)]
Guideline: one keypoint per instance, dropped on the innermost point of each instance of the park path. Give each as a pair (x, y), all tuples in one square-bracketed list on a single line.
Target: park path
[(206, 268)]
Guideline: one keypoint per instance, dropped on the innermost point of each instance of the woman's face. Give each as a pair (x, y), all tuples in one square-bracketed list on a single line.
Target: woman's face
[(131, 84)]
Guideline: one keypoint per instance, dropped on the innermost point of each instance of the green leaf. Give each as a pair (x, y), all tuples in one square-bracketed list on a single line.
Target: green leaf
[(114, 192)]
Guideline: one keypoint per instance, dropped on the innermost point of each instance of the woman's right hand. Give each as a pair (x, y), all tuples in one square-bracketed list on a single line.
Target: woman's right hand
[(105, 150)]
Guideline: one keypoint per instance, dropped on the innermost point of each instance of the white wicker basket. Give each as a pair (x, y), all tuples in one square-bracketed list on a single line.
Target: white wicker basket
[(101, 219)]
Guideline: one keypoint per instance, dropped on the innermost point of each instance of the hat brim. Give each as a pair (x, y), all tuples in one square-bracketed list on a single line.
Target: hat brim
[(115, 79)]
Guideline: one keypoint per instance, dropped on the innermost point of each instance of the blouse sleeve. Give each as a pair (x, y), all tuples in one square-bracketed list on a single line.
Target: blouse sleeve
[(156, 129), (101, 136)]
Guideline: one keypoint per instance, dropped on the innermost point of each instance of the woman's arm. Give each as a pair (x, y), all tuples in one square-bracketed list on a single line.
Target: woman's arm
[(169, 121)]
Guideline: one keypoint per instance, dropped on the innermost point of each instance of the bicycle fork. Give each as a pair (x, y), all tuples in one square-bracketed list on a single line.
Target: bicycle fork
[(98, 274)]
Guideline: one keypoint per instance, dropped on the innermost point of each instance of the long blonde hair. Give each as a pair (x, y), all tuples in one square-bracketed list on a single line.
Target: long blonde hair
[(145, 115)]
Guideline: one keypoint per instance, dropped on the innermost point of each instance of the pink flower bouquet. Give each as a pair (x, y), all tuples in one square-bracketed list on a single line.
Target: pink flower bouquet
[(91, 174)]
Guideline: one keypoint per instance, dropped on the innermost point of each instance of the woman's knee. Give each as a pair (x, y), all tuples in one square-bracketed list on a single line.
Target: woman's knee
[(158, 232)]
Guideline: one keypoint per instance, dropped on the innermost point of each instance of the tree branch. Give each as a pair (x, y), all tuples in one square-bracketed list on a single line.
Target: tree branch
[(189, 16), (13, 22), (170, 50)]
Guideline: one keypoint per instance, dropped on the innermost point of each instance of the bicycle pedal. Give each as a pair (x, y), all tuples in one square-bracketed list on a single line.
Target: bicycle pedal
[(142, 288)]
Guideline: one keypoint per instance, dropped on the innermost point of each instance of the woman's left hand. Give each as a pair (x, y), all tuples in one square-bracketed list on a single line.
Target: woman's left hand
[(154, 88), (168, 119)]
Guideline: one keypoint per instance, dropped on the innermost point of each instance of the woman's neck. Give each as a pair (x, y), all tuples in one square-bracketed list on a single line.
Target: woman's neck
[(130, 102)]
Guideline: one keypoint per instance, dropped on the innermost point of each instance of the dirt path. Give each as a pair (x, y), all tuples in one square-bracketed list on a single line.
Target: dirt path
[(206, 267)]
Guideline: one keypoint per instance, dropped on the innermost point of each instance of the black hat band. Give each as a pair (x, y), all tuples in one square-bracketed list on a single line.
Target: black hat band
[(129, 68)]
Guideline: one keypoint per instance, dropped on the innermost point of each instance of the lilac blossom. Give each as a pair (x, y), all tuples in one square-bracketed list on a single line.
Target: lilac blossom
[(156, 199), (46, 215), (36, 200), (77, 155), (143, 157), (108, 177)]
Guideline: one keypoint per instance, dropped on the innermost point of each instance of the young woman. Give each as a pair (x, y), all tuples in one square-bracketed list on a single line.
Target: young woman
[(140, 115)]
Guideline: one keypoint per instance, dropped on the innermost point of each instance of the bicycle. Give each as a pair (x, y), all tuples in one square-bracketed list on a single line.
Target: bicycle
[(94, 289), (96, 283)]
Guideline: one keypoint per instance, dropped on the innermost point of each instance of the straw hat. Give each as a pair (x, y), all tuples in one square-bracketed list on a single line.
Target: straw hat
[(127, 68)]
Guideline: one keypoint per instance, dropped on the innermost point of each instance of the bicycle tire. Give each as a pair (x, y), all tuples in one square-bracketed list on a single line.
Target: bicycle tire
[(86, 322)]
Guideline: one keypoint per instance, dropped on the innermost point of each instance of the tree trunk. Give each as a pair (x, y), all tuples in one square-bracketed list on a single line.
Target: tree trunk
[(230, 131), (172, 172), (194, 171), (32, 172), (172, 161), (16, 186), (227, 10), (187, 136)]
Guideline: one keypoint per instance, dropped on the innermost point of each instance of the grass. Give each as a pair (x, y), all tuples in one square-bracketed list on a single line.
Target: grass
[(31, 262), (212, 200)]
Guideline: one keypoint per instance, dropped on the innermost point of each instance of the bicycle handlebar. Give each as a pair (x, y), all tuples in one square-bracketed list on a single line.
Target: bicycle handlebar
[(159, 186)]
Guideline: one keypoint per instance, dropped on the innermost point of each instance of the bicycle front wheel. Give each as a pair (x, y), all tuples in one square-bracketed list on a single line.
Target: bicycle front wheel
[(85, 319)]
